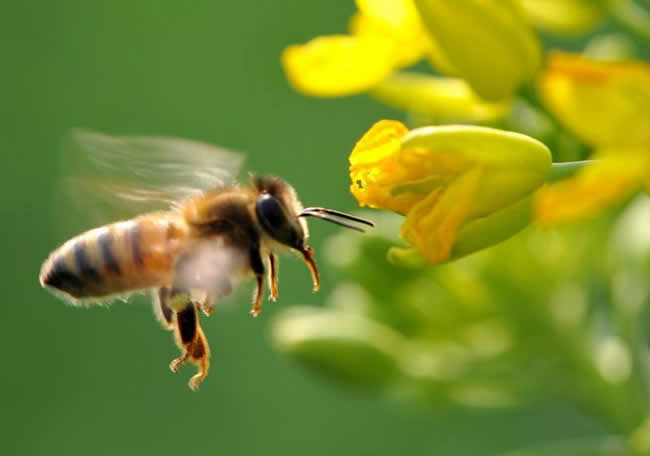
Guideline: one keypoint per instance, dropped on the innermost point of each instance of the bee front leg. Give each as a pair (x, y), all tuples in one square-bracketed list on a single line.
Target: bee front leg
[(221, 289), (257, 265), (273, 276), (205, 302), (191, 339)]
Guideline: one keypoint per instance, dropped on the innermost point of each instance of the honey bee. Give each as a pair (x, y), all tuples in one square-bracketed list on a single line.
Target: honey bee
[(212, 233)]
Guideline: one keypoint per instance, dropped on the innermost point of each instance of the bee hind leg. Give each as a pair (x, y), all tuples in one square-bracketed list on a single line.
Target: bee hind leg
[(164, 314), (191, 339)]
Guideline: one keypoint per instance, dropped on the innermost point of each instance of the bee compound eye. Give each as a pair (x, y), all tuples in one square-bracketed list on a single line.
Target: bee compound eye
[(275, 221), (270, 212)]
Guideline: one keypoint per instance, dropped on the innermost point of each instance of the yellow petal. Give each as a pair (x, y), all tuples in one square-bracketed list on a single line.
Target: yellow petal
[(397, 13), (409, 45), (397, 21), (338, 65), (444, 99), (605, 104), (374, 167), (613, 177), (431, 225)]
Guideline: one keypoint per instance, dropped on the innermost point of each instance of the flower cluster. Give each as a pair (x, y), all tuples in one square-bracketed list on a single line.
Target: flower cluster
[(506, 132), (463, 187), (607, 105), (445, 178)]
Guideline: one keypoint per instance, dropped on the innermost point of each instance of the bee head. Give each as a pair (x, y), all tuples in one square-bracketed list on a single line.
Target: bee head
[(282, 217), (277, 209)]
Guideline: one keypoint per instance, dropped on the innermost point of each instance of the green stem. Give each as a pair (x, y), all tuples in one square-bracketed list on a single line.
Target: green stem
[(630, 15), (563, 170)]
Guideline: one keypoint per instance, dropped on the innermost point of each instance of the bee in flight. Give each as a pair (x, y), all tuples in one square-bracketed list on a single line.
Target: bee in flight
[(198, 234)]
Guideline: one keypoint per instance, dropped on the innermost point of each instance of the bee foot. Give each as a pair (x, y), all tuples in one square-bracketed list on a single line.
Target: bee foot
[(203, 364), (196, 380), (207, 309), (175, 364), (255, 312)]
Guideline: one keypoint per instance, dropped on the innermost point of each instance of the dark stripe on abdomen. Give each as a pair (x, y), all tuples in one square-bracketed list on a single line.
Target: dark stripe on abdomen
[(104, 242), (86, 268), (60, 277), (133, 237)]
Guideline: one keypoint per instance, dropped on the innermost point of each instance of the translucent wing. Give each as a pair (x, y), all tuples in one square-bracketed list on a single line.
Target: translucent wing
[(115, 177)]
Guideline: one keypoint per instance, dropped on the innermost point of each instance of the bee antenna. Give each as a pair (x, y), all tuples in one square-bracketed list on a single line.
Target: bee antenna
[(329, 216)]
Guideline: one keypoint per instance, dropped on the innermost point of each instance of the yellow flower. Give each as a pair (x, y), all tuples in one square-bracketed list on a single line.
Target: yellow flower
[(445, 178), (608, 106), (615, 175), (488, 43), (386, 35), (604, 103), (389, 35)]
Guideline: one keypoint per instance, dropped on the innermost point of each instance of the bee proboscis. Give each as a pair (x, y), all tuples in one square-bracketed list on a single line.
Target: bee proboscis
[(211, 234)]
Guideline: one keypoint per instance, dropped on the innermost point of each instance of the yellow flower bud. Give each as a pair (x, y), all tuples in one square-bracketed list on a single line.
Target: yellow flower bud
[(564, 16), (438, 98), (604, 103), (348, 346), (444, 177), (487, 42)]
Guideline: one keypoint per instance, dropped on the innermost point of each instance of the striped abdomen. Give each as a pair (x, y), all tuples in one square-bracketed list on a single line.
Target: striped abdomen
[(117, 258)]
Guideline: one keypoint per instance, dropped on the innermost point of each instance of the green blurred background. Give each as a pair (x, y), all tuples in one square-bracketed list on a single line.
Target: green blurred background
[(95, 381)]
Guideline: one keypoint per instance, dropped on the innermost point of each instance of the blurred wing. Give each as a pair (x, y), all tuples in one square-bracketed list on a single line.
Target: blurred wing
[(117, 177), (212, 266)]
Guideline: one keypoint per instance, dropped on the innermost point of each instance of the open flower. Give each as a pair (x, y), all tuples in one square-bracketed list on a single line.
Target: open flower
[(608, 106), (615, 175), (385, 36), (604, 103), (389, 35), (443, 179)]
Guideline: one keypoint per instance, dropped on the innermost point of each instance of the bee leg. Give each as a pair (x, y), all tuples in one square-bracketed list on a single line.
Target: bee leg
[(200, 356), (164, 313), (205, 303), (273, 277), (207, 306), (191, 339), (257, 265), (222, 289), (259, 293)]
